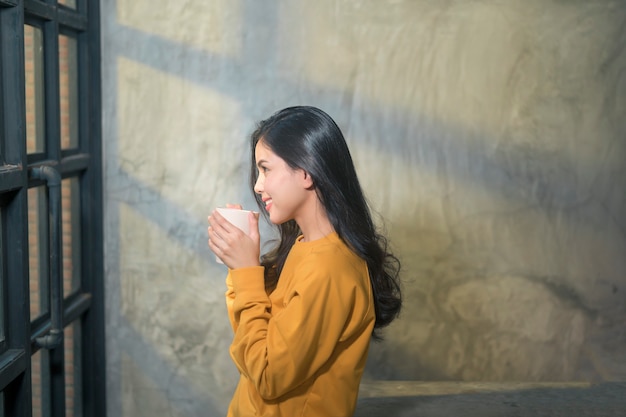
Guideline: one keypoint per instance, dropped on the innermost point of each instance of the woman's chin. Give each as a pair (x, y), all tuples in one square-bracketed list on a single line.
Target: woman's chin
[(277, 220)]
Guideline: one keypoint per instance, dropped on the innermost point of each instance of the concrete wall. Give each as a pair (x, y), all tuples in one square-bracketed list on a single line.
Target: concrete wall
[(490, 136)]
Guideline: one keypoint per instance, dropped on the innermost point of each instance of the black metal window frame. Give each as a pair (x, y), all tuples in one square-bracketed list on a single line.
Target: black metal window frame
[(84, 163)]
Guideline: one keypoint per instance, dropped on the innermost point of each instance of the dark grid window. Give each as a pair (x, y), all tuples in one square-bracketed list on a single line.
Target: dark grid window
[(51, 270)]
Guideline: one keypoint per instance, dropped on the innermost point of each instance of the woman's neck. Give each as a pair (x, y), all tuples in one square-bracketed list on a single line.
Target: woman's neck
[(314, 222)]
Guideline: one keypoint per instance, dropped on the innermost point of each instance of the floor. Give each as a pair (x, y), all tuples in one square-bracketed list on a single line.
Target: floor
[(452, 399)]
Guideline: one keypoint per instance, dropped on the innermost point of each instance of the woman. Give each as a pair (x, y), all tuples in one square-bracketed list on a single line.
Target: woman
[(303, 315)]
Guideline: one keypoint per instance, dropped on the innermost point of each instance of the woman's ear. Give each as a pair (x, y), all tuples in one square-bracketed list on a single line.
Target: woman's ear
[(307, 180)]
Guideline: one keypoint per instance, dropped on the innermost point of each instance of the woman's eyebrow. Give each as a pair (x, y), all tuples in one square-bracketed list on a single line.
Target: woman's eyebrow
[(261, 162)]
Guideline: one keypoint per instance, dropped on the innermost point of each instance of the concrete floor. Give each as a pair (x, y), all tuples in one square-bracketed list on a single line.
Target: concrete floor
[(468, 399)]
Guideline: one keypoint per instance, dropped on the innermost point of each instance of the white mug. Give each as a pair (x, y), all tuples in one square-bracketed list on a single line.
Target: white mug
[(238, 218)]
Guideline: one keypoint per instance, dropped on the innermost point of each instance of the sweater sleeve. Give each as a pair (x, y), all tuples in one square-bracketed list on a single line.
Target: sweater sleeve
[(250, 274), (278, 353)]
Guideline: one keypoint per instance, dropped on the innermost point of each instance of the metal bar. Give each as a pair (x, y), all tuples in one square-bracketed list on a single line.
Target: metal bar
[(93, 340), (52, 89), (17, 385), (74, 307), (71, 19), (53, 179), (12, 363), (39, 9), (8, 3), (74, 163), (12, 100), (53, 340), (11, 177)]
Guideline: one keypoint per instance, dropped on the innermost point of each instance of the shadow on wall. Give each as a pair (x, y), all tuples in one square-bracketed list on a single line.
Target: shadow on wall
[(159, 385), (512, 260)]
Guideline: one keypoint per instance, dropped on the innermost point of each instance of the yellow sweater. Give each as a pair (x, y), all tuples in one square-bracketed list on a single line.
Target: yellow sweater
[(302, 349)]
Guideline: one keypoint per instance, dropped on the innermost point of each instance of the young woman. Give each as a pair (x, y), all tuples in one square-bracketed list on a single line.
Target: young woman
[(303, 315)]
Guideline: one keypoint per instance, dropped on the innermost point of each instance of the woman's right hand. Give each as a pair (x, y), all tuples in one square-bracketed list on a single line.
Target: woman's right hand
[(235, 248)]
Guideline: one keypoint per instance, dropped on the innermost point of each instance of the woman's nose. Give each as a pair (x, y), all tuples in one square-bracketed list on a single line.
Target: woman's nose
[(258, 185)]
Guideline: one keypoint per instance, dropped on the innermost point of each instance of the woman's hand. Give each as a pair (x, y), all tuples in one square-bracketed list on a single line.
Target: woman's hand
[(231, 244)]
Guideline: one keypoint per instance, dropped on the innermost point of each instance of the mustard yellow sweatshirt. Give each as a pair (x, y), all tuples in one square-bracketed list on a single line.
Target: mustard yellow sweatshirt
[(302, 349)]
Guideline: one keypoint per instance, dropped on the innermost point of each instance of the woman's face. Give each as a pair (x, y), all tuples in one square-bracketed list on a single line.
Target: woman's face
[(282, 189)]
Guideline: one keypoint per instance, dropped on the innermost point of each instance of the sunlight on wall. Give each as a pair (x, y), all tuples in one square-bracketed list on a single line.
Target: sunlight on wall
[(158, 286), (172, 306), (177, 138), (213, 26), (380, 55), (142, 392)]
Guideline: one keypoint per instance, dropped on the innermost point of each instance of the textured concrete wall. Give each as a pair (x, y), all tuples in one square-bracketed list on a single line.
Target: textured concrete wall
[(490, 136)]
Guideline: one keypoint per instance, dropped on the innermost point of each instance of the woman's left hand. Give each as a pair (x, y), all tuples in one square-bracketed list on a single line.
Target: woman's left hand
[(235, 248)]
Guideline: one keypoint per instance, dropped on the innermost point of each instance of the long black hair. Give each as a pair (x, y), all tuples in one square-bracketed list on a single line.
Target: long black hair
[(309, 139)]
